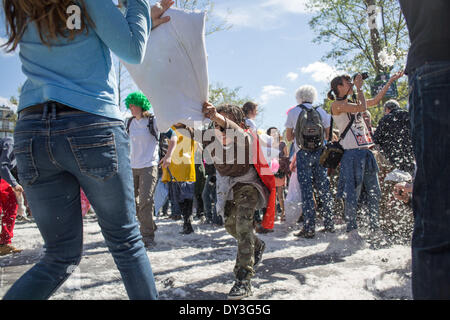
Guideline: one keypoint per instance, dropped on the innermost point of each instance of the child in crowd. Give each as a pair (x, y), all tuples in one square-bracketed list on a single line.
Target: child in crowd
[(245, 186)]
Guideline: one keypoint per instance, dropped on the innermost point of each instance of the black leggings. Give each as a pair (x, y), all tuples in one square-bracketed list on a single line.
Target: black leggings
[(186, 209)]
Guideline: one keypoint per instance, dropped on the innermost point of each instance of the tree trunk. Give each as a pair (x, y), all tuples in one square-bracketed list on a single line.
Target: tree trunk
[(375, 38)]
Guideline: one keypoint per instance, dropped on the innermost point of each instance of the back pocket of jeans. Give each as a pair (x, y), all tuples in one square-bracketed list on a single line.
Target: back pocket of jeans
[(26, 167), (96, 155)]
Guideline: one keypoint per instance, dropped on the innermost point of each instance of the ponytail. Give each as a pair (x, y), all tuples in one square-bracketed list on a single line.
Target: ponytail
[(331, 95)]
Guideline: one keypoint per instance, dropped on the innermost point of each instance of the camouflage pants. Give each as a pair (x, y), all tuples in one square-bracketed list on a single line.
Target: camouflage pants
[(239, 215)]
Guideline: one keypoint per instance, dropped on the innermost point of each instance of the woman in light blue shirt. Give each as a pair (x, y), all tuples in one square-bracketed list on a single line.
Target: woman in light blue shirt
[(70, 133)]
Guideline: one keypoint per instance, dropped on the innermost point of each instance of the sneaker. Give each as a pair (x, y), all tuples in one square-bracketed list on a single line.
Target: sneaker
[(261, 229), (305, 234), (7, 249), (22, 219), (149, 243), (354, 236), (240, 290), (199, 216), (258, 254), (328, 229)]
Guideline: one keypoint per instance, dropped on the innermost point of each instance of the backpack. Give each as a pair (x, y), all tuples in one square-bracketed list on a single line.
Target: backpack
[(162, 139), (309, 130)]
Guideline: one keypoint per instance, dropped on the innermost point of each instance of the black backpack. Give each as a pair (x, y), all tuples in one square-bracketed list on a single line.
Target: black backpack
[(309, 130), (162, 139)]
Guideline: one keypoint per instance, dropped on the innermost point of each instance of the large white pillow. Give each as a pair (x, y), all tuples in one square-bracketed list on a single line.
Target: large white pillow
[(174, 73)]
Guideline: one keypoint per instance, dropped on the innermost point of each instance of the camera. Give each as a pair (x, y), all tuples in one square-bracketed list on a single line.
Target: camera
[(365, 75)]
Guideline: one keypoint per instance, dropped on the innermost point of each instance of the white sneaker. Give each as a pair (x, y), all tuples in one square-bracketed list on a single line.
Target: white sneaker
[(22, 218), (354, 236)]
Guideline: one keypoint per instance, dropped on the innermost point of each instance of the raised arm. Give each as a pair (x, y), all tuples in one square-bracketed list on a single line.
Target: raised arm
[(375, 101), (344, 106), (211, 113), (126, 36)]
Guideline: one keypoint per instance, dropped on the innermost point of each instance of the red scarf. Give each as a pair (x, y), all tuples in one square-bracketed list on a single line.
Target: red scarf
[(267, 177)]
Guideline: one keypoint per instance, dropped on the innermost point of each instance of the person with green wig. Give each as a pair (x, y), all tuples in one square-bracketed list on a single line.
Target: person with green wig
[(147, 153)]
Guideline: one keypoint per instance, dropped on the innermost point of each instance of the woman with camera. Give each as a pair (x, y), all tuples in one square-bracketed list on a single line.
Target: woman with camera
[(359, 168)]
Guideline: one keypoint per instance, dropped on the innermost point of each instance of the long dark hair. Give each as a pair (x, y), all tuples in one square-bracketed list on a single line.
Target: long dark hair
[(333, 94), (50, 17)]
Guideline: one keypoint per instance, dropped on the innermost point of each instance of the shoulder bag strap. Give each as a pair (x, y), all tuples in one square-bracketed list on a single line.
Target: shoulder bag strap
[(172, 178), (129, 124), (344, 133)]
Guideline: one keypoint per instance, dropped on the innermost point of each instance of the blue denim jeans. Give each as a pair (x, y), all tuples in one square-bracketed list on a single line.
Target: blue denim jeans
[(430, 120), (56, 155), (359, 168), (175, 206), (310, 173)]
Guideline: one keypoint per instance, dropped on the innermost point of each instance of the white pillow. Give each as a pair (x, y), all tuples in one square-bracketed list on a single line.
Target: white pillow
[(174, 73)]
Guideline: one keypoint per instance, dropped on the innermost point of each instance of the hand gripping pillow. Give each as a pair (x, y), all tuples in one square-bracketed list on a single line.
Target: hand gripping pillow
[(174, 73)]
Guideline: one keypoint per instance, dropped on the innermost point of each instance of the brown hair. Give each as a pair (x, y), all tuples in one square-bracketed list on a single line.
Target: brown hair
[(270, 129), (50, 17), (234, 113), (249, 107), (333, 94)]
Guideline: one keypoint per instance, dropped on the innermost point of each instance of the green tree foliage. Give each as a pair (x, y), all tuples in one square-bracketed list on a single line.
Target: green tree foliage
[(218, 94), (365, 35), (358, 34)]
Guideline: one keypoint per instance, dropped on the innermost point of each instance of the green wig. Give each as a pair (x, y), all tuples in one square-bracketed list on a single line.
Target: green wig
[(138, 99)]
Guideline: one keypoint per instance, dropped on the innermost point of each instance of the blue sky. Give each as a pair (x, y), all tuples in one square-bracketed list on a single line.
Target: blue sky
[(268, 52)]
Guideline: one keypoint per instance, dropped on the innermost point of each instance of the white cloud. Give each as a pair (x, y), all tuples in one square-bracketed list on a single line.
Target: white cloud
[(259, 15), (269, 92), (292, 76), (291, 6), (248, 16), (320, 71)]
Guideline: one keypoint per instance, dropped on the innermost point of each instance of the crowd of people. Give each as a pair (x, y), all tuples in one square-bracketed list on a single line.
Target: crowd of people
[(229, 172)]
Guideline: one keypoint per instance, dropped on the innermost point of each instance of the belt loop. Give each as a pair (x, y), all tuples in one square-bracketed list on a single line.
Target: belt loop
[(44, 113), (54, 111)]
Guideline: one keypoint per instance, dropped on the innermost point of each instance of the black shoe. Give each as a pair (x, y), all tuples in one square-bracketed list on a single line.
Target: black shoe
[(305, 234), (149, 244), (187, 228), (199, 216), (258, 254), (176, 218), (328, 229), (240, 290)]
